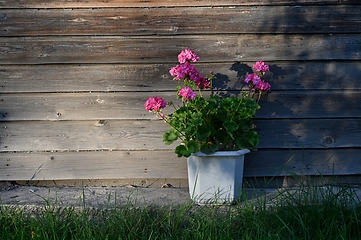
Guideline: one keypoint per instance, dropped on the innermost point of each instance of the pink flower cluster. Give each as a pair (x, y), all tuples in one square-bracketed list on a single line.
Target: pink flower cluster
[(261, 67), (188, 71), (183, 71), (155, 104), (254, 79), (187, 55), (187, 93), (264, 86), (202, 82)]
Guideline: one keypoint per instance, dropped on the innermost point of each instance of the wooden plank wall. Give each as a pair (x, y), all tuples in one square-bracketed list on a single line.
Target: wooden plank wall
[(75, 74)]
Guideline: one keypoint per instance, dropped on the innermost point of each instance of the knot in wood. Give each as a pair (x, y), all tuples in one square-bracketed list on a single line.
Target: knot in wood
[(328, 140), (2, 17), (100, 123)]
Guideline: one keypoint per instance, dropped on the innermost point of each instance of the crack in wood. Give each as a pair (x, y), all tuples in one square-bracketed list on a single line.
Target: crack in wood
[(36, 172)]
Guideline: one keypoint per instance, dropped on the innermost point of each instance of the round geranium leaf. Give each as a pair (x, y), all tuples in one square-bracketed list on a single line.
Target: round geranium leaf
[(181, 151), (192, 146), (252, 138), (203, 133), (209, 149), (230, 126), (170, 136)]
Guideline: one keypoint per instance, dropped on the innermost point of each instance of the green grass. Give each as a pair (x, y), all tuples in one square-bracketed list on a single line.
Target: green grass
[(306, 213)]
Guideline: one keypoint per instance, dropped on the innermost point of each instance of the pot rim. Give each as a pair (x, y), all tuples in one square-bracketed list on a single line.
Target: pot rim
[(223, 153)]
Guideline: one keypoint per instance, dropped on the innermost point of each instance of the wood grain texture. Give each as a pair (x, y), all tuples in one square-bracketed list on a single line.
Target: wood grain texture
[(157, 3), (113, 182), (75, 74), (331, 162), (311, 133), (156, 49), (293, 75), (130, 105), (311, 104), (154, 165), (175, 21), (86, 165), (147, 135)]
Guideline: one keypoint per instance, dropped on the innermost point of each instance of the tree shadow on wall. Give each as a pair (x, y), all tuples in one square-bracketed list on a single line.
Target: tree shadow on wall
[(226, 87), (318, 48)]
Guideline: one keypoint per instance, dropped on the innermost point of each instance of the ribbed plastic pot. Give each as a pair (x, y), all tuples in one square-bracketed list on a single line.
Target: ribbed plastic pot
[(216, 178)]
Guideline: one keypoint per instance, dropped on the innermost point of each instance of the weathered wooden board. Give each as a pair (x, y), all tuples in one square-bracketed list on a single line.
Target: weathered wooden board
[(174, 21), (83, 165), (311, 104), (266, 162), (165, 165), (77, 106), (130, 105), (157, 3), (311, 133), (157, 49), (294, 75), (147, 135), (81, 135)]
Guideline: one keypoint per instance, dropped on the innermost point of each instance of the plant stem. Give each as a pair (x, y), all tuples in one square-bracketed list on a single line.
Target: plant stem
[(167, 122)]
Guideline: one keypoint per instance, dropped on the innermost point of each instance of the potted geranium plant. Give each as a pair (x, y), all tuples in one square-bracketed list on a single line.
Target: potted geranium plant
[(208, 126)]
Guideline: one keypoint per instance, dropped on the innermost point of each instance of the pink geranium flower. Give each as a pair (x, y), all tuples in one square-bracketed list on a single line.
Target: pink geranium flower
[(202, 82), (187, 93), (185, 70), (187, 55), (177, 72), (261, 67), (253, 79), (155, 104), (263, 86)]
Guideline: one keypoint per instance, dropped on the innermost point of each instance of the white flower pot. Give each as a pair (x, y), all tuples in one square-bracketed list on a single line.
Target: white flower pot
[(216, 178)]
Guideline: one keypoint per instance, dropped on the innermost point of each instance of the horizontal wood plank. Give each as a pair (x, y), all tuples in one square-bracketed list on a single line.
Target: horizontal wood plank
[(328, 75), (309, 133), (174, 21), (91, 165), (147, 135), (156, 49), (130, 105), (86, 106), (114, 182), (267, 162), (311, 104), (158, 3), (165, 165)]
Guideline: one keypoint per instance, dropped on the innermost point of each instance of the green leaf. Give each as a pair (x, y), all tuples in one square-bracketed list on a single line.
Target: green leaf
[(222, 115), (170, 136), (241, 143), (192, 146), (196, 121), (205, 148), (182, 151), (252, 138), (230, 126), (203, 133)]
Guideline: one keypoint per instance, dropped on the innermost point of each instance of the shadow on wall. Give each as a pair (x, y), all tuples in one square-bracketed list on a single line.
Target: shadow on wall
[(315, 98), (315, 75)]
